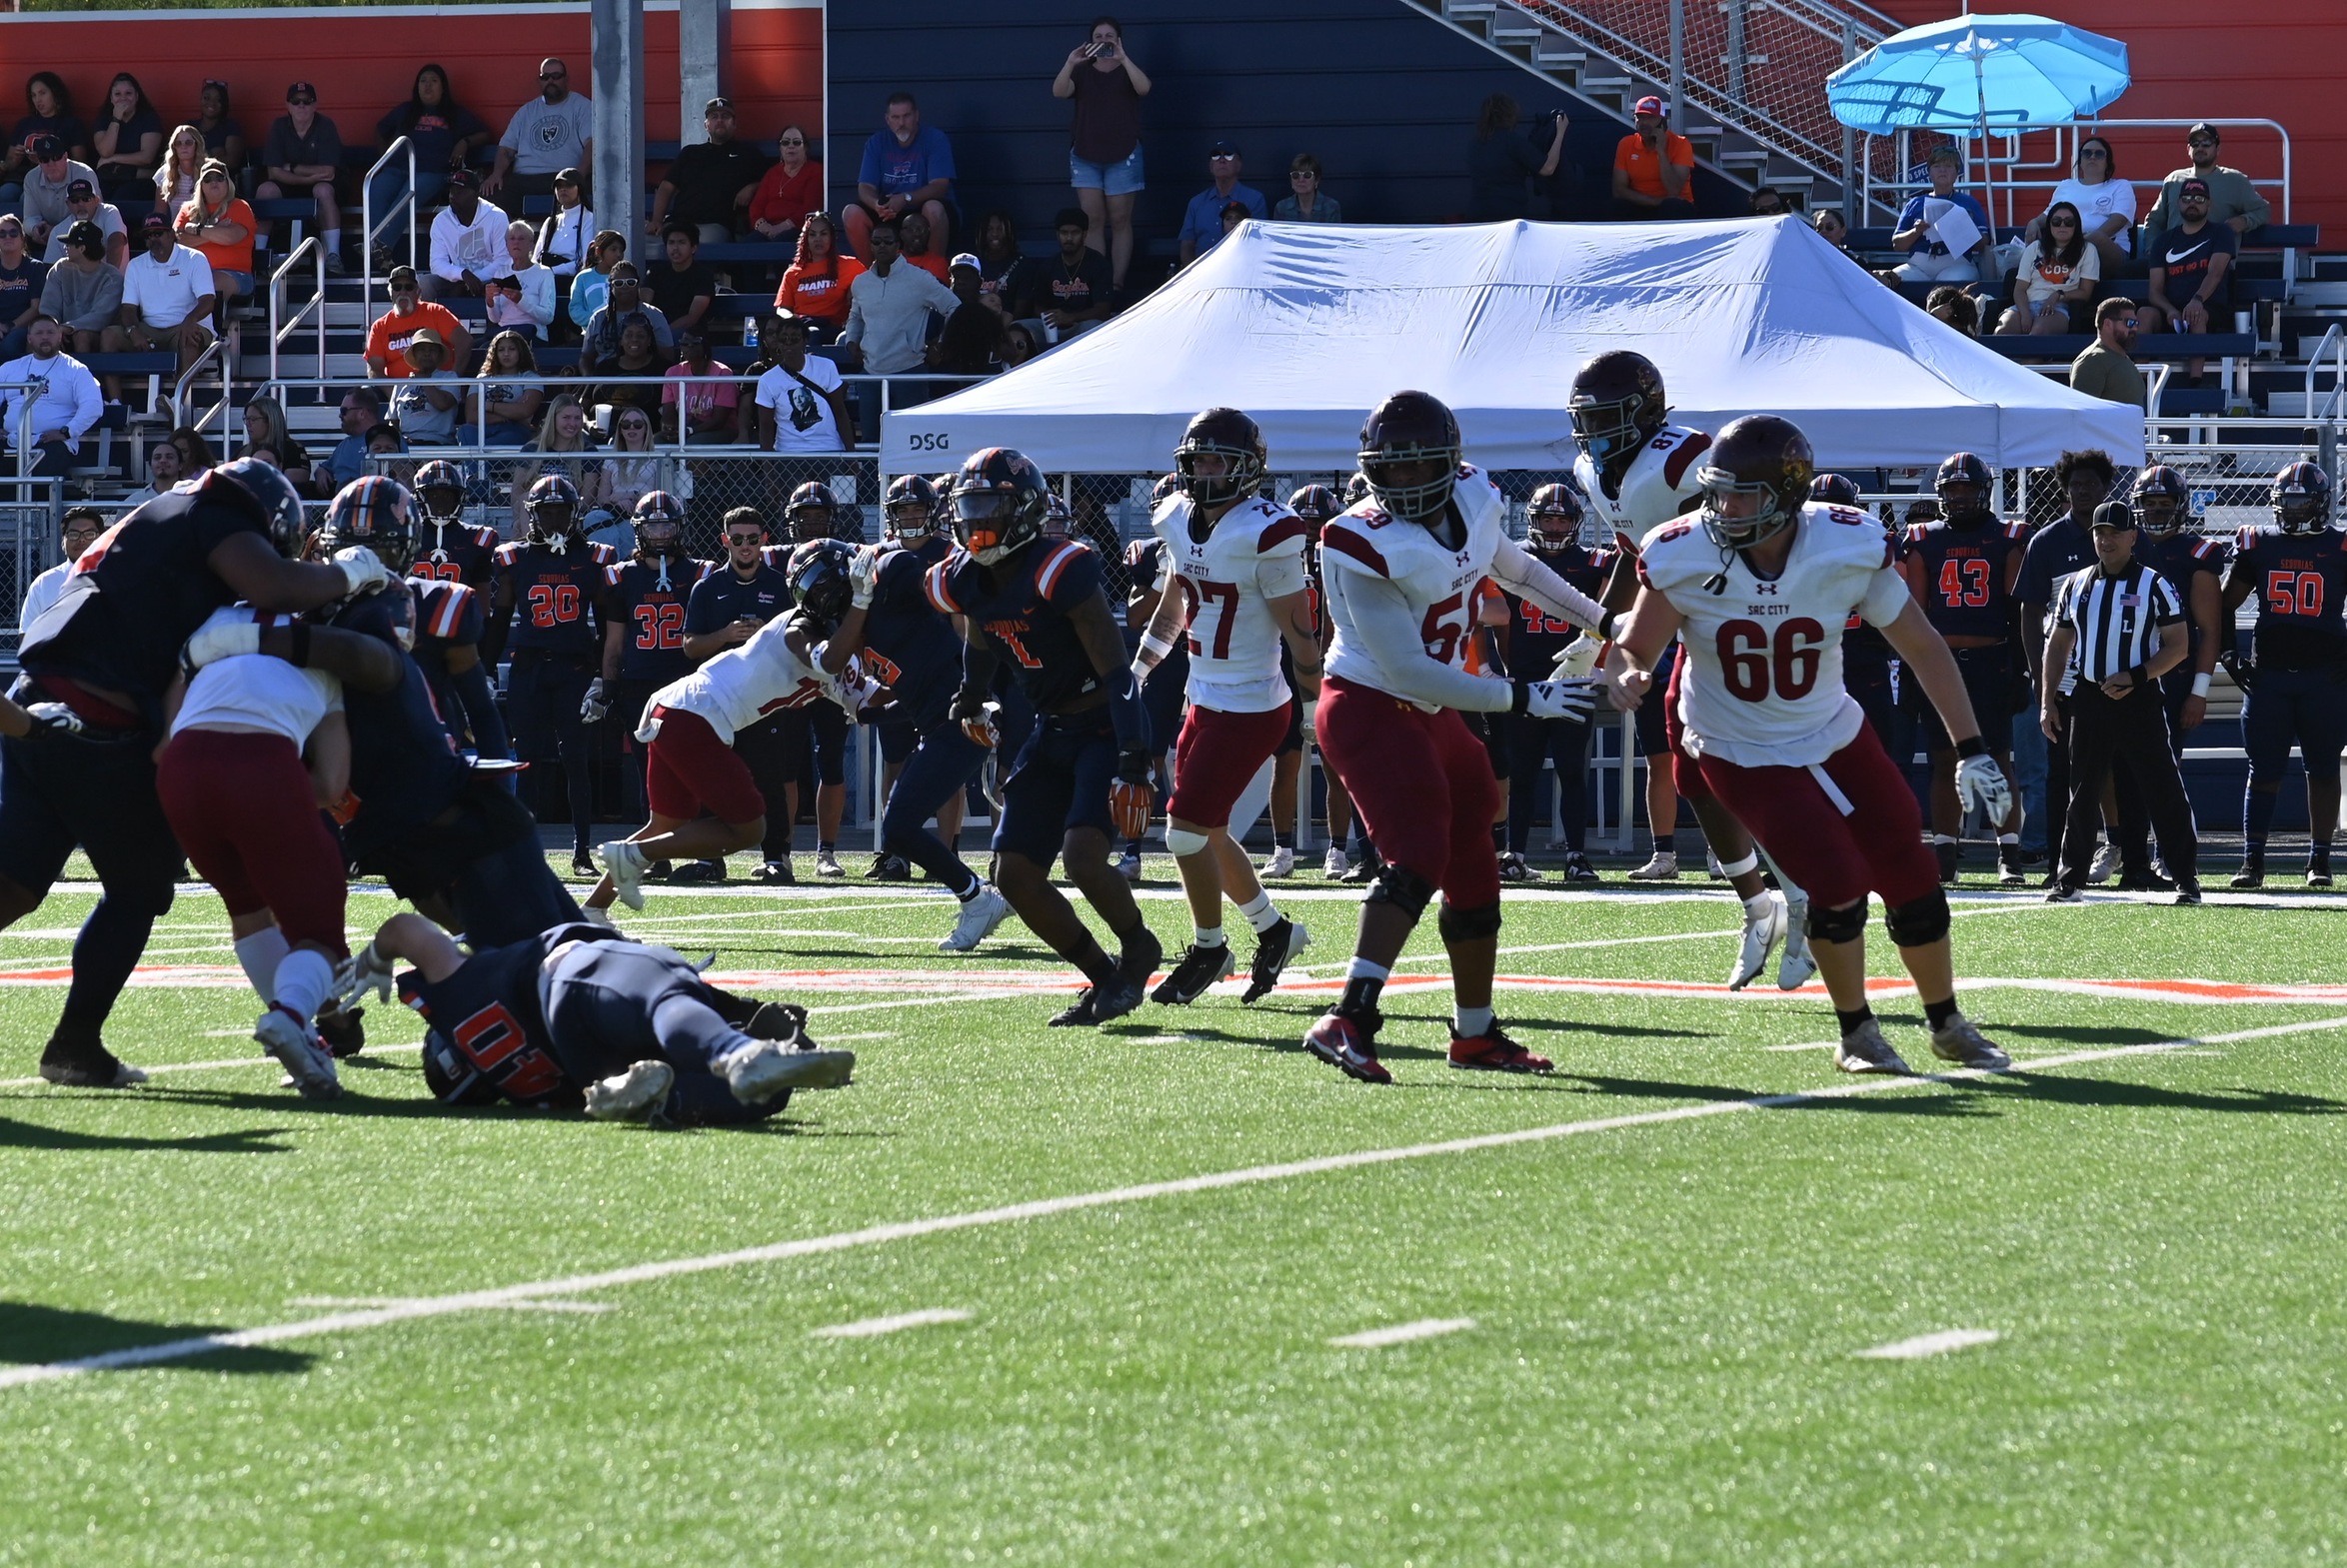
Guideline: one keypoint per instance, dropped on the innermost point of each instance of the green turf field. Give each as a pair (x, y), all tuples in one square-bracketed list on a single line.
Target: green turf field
[(504, 1338)]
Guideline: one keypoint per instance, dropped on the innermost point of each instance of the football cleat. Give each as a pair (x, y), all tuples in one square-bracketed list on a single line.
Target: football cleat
[(1493, 1051), (1578, 869), (2188, 893), (1797, 964), (888, 868), (2145, 881), (1350, 1045), (2063, 892), (1200, 967), (1864, 1049), (303, 1055), (1129, 865), (2318, 875), (2009, 871), (624, 865), (1762, 935), (1959, 1041), (632, 1095), (1364, 870), (1275, 951), (2106, 861), (760, 1071), (89, 1067), (583, 862), (1281, 862), (1515, 869), (2251, 875), (980, 914), (1137, 959), (1663, 868), (776, 874), (699, 871), (826, 864), (1717, 872), (1092, 1007), (1335, 863)]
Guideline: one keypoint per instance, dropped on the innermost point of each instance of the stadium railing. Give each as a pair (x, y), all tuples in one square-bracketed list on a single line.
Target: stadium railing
[(32, 513), (369, 229)]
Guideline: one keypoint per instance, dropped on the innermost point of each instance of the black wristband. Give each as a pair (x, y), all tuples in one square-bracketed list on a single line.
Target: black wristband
[(1608, 627), (299, 633), (1519, 697), (1971, 745), (2138, 677)]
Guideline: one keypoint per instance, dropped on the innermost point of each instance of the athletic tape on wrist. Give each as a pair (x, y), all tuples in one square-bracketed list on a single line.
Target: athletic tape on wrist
[(2200, 685)]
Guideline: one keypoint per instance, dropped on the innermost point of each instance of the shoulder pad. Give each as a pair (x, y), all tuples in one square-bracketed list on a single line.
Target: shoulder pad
[(1692, 444), (508, 551), (1347, 542), (1054, 566), (1282, 527)]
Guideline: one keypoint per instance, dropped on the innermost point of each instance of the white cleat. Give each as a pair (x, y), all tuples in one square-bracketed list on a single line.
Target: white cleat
[(1864, 1049), (308, 1064), (2106, 861), (985, 910), (1762, 935), (624, 865), (1335, 863), (1281, 862), (632, 1095), (595, 916), (1798, 964), (760, 1071), (1959, 1041), (1663, 868)]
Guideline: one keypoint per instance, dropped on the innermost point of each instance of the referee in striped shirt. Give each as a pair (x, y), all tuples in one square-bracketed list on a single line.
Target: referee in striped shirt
[(2117, 626)]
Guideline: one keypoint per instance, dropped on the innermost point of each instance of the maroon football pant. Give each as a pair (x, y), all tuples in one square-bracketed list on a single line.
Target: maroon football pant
[(1422, 785), (1838, 855), (241, 806)]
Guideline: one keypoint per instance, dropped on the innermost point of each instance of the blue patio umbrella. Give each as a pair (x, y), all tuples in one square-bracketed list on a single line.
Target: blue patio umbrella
[(1979, 72)]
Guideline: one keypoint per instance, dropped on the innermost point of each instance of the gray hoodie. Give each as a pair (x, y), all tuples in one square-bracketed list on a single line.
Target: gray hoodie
[(86, 300)]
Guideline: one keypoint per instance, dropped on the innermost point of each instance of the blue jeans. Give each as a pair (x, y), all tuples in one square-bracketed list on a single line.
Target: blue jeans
[(391, 184), (2029, 777)]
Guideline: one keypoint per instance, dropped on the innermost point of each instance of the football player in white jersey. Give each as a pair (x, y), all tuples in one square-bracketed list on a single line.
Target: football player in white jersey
[(1639, 470), (1758, 587), (1234, 586), (1401, 572)]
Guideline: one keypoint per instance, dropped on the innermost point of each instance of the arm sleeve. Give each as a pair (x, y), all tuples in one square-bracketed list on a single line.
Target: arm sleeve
[(1515, 569), (481, 715), (1378, 617)]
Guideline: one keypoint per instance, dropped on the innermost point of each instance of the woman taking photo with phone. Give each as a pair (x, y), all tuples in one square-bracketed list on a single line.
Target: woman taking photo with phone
[(1105, 163)]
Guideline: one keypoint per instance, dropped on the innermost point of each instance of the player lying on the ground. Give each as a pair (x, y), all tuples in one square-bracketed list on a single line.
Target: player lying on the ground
[(1758, 587), (579, 1018)]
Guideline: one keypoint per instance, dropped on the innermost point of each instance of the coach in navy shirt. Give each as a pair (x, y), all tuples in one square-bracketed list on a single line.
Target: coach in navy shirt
[(726, 608)]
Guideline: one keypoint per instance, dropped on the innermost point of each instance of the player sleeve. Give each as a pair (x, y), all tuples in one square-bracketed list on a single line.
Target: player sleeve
[(1378, 616), (1886, 596), (1517, 571), (1069, 576), (1280, 560)]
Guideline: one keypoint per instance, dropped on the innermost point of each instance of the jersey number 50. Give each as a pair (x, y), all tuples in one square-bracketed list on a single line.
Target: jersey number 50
[(1748, 659), (2294, 594)]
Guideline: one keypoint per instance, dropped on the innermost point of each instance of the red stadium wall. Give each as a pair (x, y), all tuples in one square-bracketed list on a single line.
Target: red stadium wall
[(364, 60), (2263, 61)]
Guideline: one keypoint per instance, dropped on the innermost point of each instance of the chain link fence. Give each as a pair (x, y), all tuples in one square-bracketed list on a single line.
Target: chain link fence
[(32, 515)]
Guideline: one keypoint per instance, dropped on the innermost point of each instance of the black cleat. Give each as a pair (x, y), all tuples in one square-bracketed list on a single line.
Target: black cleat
[(776, 874), (1578, 869), (2188, 891), (2009, 871), (2145, 881), (1138, 960), (344, 1033), (1948, 855), (86, 1066), (1200, 967), (1096, 1005), (583, 864), (888, 868), (699, 871), (1366, 871), (1274, 949)]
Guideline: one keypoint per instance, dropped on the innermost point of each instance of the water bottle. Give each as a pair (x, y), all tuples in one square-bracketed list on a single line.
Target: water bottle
[(750, 332)]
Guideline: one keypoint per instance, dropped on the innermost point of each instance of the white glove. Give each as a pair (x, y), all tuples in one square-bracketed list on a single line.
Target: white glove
[(1979, 781), (595, 706), (852, 688), (222, 637), (863, 576), (1561, 699), (361, 572), (363, 971), (1578, 662), (53, 721)]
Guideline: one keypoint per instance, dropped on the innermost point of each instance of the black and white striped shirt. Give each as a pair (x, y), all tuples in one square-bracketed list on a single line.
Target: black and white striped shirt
[(2116, 619)]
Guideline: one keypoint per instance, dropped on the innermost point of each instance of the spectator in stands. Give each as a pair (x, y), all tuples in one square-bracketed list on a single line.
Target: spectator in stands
[(907, 167), (218, 225), (974, 333), (265, 426), (2105, 205), (2234, 202), (638, 352), (708, 184), (45, 206), (683, 287), (1306, 202), (1653, 167), (167, 297), (1018, 345), (1500, 160), (1201, 221), (302, 157), (1233, 214), (83, 291), (177, 169), (2057, 278), (61, 393), (468, 241), (2189, 264), (82, 526), (563, 241), (788, 190), (632, 469), (83, 205), (194, 452), (21, 278), (552, 132), (224, 137), (1768, 202), (1830, 227), (519, 296), (1929, 259), (2107, 370), (127, 141), (426, 402), (51, 114), (512, 389), (626, 299), (913, 236), (445, 135), (384, 440), (163, 472), (361, 412), (711, 410), (815, 285), (802, 404), (563, 429), (1104, 158), (592, 285), (1068, 291), (997, 257), (387, 338), (889, 307), (1955, 307)]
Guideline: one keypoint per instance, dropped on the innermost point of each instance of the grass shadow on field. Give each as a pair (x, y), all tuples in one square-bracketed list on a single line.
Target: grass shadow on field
[(32, 1135), (31, 1334), (2115, 1095), (1663, 1090)]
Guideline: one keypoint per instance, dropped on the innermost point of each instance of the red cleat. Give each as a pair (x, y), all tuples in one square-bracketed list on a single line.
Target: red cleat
[(1350, 1045), (1493, 1051)]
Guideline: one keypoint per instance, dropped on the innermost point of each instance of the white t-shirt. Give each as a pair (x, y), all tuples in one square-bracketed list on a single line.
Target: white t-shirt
[(1252, 556), (255, 692), (802, 421), (43, 592), (2047, 277), (548, 138), (2097, 202), (166, 291), (108, 218)]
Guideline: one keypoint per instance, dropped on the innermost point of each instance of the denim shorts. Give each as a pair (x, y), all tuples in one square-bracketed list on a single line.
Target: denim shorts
[(1115, 179)]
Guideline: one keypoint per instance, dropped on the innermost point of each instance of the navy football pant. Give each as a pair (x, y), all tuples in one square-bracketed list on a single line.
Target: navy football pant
[(1534, 742), (1060, 782), (544, 696), (941, 765), (611, 1004)]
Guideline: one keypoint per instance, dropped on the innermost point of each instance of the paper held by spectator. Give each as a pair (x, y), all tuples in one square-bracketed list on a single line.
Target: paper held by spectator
[(1952, 226)]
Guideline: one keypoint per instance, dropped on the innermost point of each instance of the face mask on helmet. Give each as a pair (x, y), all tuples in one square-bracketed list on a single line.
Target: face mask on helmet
[(1548, 532), (1739, 513), (993, 524), (1229, 436), (911, 519), (2159, 515), (2299, 510), (1605, 430), (658, 536), (818, 582)]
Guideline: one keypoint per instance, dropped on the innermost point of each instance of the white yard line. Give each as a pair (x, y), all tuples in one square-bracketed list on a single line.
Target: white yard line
[(870, 1327), (1403, 1333), (502, 1296), (1922, 1345)]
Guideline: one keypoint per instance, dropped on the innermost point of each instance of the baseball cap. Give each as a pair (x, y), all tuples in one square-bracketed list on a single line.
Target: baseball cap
[(464, 180), (401, 278), (80, 188), (155, 220), (718, 106), (427, 335), (567, 176), (2185, 189), (86, 235), (300, 90), (1650, 105), (48, 148), (2114, 515), (964, 259), (1224, 149)]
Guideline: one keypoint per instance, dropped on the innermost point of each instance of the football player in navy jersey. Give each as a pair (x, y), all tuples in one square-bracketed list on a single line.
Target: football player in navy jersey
[(105, 651), (815, 736), (1038, 608), (544, 608), (449, 627), (2195, 569), (450, 549), (2296, 687), (910, 521), (1536, 643), (643, 626), (575, 1017)]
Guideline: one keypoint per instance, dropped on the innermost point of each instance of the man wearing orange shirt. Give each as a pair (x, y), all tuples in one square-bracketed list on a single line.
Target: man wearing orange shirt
[(1653, 168), (388, 338)]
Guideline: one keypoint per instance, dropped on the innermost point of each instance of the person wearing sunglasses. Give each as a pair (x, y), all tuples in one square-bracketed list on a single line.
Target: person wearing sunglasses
[(709, 185), (1201, 221), (21, 278), (552, 132), (2234, 202), (2105, 205), (788, 190), (304, 154), (2057, 278)]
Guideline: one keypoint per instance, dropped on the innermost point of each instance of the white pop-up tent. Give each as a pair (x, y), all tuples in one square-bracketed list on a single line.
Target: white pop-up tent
[(1307, 327)]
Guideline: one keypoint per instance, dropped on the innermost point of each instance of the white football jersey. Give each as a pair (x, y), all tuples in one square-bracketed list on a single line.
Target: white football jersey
[(256, 692), (1764, 681), (1655, 489), (1252, 556), (1439, 585), (742, 684)]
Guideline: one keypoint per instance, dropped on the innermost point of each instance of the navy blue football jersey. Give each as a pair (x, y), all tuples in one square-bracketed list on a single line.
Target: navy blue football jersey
[(2180, 556), (454, 552), (648, 605), (1022, 607), (1963, 572), (908, 645), (491, 1016), (448, 615), (1534, 637), (555, 596), (2298, 581), (404, 768)]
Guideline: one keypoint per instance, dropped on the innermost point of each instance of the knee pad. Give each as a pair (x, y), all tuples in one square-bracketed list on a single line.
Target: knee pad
[(1457, 924), (1921, 922), (1181, 842), (1838, 924), (1405, 889)]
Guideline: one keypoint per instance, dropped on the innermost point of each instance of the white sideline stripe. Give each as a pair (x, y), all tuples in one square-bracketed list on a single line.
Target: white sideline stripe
[(865, 1329), (1403, 1333), (257, 1060), (1045, 1208), (1922, 1345), (583, 1308)]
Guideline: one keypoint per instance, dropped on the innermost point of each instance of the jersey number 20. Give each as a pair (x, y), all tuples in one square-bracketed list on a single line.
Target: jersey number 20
[(553, 603), (1749, 659)]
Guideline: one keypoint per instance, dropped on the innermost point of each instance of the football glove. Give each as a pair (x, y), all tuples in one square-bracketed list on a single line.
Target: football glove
[(222, 637), (1578, 662), (53, 721), (363, 971), (976, 715), (1980, 782), (1128, 807), (361, 572), (595, 706), (863, 576), (1559, 699)]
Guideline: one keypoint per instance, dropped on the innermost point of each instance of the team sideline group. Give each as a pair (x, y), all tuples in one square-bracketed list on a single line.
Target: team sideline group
[(285, 709)]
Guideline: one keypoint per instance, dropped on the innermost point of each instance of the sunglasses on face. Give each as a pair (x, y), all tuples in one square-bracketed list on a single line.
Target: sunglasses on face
[(2199, 141), (2061, 223), (2095, 152), (553, 76), (793, 141), (745, 539), (301, 100)]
